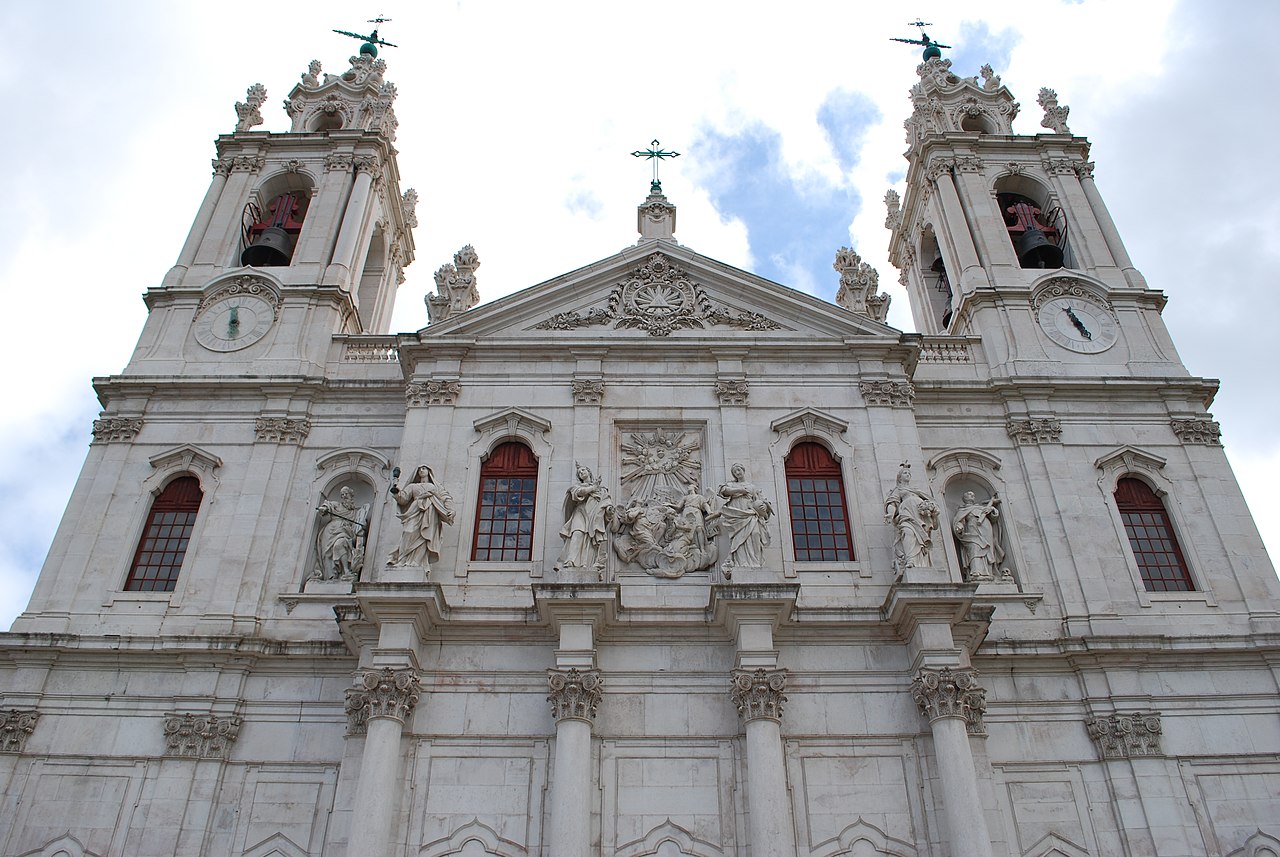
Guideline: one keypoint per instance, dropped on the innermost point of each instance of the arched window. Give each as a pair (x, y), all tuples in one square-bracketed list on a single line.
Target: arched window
[(1150, 532), (158, 559), (819, 517), (504, 514)]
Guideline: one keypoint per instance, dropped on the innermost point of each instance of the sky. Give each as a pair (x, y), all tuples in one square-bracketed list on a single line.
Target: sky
[(516, 120)]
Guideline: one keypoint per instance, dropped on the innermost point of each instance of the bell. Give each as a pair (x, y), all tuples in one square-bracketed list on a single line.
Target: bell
[(272, 248), (1035, 250)]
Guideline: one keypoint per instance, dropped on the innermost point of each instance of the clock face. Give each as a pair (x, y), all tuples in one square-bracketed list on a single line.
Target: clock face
[(1078, 324), (234, 322)]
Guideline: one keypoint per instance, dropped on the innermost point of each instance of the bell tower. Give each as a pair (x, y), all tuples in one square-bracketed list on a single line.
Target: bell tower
[(1006, 236), (302, 234)]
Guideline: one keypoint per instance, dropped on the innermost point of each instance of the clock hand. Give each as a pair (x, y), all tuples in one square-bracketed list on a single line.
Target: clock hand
[(1075, 319), (233, 322)]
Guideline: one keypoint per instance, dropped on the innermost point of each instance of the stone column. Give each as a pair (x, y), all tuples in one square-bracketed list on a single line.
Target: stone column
[(344, 252), (574, 697), (954, 703), (758, 696), (380, 704), (971, 271), (204, 216), (1110, 235)]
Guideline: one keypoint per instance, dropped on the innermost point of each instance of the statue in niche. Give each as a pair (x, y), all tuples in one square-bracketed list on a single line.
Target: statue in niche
[(914, 516), (745, 514), (977, 530), (669, 534), (586, 513), (425, 509), (340, 543)]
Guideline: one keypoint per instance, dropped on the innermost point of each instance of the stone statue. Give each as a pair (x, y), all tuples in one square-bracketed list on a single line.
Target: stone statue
[(977, 529), (745, 514), (340, 543), (425, 508), (586, 510), (669, 534), (914, 516)]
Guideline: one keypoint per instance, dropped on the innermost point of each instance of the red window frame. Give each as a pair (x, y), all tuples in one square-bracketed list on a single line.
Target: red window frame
[(820, 530), (505, 505), (166, 537), (1151, 537)]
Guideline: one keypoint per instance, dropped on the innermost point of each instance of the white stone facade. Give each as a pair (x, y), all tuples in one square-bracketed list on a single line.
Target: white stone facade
[(665, 673)]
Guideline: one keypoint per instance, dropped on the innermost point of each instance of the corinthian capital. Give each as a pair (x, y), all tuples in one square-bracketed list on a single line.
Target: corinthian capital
[(758, 693), (951, 693), (575, 694), (381, 693)]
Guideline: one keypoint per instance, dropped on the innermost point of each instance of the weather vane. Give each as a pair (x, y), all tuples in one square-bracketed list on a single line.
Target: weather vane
[(655, 153), (930, 46), (371, 41)]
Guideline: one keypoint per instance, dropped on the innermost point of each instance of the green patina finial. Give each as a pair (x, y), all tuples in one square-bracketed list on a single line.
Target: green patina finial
[(371, 41), (931, 48), (656, 154)]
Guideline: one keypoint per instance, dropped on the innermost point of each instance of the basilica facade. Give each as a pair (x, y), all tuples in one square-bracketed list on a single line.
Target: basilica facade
[(657, 557)]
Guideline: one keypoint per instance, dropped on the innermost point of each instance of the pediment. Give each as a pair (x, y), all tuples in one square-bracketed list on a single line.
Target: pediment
[(658, 290)]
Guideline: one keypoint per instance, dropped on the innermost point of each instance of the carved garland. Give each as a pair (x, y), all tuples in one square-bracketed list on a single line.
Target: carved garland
[(758, 693), (1202, 430), (1032, 431), (658, 298), (1123, 736), (15, 728), (574, 694), (432, 392), (897, 394), (381, 693), (281, 429), (116, 429), (204, 736), (951, 693)]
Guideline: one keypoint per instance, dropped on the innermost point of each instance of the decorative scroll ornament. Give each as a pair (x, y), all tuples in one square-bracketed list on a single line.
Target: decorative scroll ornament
[(248, 110), (1032, 431), (943, 101), (432, 392), (758, 693), (893, 210), (858, 284), (588, 391), (951, 693), (238, 164), (1202, 430), (381, 693), (116, 429), (1124, 736), (409, 202), (281, 429), (574, 694), (15, 728), (359, 99), (203, 736), (246, 284), (456, 290), (1055, 116), (894, 394), (660, 459), (732, 391), (659, 298)]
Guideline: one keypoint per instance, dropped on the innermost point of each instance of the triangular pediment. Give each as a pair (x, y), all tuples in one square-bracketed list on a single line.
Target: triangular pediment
[(658, 290)]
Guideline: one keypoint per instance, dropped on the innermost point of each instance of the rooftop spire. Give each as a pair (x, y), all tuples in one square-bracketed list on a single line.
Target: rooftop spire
[(656, 217), (931, 48)]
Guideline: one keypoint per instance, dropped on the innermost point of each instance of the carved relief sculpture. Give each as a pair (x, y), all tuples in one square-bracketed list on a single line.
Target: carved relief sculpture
[(745, 515), (1123, 736), (15, 727), (588, 391), (281, 429), (758, 693), (340, 543), (669, 534), (191, 736), (574, 694), (425, 509), (660, 459), (977, 531), (116, 429), (914, 516), (586, 512), (1189, 430), (1032, 431), (658, 298)]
